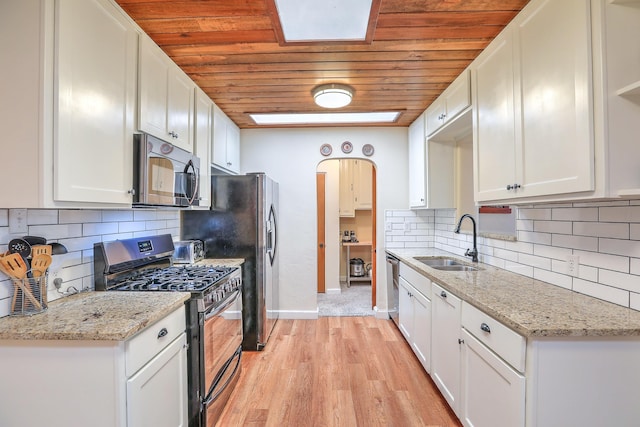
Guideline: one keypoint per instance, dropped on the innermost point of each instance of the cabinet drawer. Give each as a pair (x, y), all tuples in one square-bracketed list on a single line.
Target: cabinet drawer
[(145, 345), (507, 344), (417, 280)]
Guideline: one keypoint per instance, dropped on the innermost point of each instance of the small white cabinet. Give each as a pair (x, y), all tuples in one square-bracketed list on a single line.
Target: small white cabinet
[(166, 97), (73, 70), (226, 142), (453, 100), (431, 169), (355, 186), (414, 313), (203, 137), (445, 344), (493, 381)]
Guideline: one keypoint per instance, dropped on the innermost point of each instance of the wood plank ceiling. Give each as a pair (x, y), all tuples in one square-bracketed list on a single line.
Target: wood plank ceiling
[(233, 51)]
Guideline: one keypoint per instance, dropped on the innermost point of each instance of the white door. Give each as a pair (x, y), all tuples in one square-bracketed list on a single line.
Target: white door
[(422, 329), (494, 393), (157, 393), (405, 310)]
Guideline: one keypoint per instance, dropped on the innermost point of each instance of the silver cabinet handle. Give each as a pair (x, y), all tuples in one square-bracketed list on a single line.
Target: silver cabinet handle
[(485, 328), (443, 294), (163, 333), (513, 187)]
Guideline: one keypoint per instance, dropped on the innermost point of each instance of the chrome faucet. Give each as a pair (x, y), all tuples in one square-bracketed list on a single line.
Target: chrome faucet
[(473, 253)]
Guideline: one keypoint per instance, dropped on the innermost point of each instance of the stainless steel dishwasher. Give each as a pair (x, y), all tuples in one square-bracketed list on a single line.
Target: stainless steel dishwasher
[(393, 290)]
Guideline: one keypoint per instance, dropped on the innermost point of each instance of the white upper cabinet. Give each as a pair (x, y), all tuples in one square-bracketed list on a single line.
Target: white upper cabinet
[(453, 101), (73, 68), (431, 169), (548, 124), (166, 97), (203, 136), (355, 186), (226, 142)]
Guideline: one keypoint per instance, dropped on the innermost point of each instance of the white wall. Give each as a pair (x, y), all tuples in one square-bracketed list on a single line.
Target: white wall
[(291, 157)]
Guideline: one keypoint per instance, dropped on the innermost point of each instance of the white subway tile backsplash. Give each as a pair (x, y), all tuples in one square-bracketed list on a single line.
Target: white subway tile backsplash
[(560, 227), (629, 248), (78, 230), (575, 242), (79, 216), (620, 214), (605, 235), (614, 295), (575, 214), (601, 229)]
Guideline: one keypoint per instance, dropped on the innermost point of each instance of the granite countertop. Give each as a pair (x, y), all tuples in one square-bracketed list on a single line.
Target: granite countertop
[(528, 306), (107, 316)]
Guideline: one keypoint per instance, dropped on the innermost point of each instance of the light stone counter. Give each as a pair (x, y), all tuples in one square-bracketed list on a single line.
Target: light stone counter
[(530, 307), (107, 316)]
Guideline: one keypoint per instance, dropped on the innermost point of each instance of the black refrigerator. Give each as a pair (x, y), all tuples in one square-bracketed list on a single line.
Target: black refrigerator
[(243, 223)]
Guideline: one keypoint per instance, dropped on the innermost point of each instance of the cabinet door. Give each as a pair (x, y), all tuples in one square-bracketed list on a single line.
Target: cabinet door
[(219, 152), (157, 393), (458, 96), (405, 310), (347, 207), (422, 329), (495, 138), (445, 345), (154, 87), (233, 147), (203, 112), (493, 392), (95, 94), (363, 172), (553, 44), (417, 159), (180, 106), (435, 115)]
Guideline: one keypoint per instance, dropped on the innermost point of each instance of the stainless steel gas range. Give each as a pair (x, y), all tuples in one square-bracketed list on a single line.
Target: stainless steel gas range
[(214, 312)]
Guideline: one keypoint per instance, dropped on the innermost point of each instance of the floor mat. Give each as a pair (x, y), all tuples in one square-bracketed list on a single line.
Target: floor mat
[(352, 301)]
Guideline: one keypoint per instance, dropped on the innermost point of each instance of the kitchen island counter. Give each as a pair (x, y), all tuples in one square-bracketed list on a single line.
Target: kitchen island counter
[(531, 307)]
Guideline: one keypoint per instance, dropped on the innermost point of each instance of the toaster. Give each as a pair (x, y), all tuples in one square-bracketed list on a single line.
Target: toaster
[(188, 251)]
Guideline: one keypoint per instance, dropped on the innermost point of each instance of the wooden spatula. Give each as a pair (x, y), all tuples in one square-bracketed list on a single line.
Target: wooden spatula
[(14, 266), (40, 249), (39, 265)]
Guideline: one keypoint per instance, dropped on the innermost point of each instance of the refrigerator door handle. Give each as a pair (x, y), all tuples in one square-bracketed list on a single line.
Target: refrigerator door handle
[(272, 234)]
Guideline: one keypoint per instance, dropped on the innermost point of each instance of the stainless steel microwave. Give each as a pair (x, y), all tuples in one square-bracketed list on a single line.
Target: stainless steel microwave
[(163, 174)]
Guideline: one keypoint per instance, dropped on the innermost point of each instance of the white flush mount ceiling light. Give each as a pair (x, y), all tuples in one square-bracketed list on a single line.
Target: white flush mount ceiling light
[(332, 95)]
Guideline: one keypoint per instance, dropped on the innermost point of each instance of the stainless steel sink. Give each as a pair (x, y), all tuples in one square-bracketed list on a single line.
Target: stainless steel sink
[(438, 262), (445, 264), (454, 268)]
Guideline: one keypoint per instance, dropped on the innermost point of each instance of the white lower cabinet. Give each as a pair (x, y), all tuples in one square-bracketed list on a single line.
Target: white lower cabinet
[(414, 313), (445, 345), (139, 382), (493, 391)]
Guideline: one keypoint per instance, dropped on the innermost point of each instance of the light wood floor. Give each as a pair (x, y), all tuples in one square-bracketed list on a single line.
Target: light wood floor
[(335, 371)]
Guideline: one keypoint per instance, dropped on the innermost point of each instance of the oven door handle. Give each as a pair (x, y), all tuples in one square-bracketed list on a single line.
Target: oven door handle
[(214, 311), (211, 396)]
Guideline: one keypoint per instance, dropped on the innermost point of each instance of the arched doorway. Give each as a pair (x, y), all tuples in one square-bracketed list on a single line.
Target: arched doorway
[(346, 196)]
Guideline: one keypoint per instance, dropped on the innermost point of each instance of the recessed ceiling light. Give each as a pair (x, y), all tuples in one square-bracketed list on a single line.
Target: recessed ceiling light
[(325, 118), (312, 20)]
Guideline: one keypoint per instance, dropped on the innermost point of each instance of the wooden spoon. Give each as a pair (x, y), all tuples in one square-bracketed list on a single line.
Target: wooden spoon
[(15, 267), (39, 265)]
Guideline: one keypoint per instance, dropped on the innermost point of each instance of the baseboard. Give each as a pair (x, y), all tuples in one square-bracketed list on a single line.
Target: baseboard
[(381, 314), (298, 314), (334, 291)]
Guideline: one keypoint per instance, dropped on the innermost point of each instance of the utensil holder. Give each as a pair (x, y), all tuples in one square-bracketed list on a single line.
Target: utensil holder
[(29, 295)]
